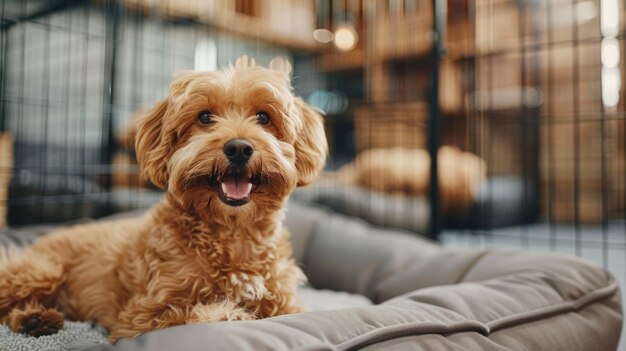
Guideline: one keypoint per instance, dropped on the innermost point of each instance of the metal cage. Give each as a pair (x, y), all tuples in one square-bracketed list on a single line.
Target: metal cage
[(533, 88)]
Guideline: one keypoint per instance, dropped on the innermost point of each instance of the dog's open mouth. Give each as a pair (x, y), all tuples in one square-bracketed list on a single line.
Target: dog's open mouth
[(235, 189)]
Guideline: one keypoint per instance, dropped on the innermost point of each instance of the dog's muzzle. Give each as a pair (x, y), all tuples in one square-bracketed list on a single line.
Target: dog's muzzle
[(235, 188)]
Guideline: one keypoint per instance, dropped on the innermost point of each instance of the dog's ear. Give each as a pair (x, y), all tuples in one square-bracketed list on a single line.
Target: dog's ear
[(155, 140), (311, 146), (151, 146)]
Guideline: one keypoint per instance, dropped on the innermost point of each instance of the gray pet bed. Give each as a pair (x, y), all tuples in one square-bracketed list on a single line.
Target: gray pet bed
[(500, 201), (426, 298)]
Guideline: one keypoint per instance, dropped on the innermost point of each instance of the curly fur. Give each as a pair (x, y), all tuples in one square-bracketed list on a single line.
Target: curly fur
[(192, 258)]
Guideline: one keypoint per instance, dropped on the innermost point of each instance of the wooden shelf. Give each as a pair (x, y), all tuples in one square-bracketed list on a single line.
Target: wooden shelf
[(291, 27)]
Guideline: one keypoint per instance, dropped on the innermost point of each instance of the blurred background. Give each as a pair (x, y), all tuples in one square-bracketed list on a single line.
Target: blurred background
[(472, 122)]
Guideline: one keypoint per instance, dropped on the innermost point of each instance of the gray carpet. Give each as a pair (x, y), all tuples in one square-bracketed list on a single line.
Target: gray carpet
[(74, 336)]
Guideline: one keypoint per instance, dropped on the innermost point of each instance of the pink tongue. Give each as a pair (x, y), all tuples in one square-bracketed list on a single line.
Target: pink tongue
[(236, 188)]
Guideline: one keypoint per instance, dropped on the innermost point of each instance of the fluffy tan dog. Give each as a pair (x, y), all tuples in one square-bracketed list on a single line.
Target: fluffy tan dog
[(229, 147), (407, 171)]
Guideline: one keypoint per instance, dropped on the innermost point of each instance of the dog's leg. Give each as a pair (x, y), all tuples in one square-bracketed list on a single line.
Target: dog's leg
[(143, 314), (282, 302), (295, 306), (34, 319), (29, 283), (284, 297)]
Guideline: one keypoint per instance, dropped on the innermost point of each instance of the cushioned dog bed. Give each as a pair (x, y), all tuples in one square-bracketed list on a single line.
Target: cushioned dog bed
[(426, 298), (499, 202)]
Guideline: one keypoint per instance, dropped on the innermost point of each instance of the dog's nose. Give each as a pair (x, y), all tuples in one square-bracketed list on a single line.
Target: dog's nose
[(238, 150)]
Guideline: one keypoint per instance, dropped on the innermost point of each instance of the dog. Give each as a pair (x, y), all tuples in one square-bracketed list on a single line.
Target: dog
[(228, 147), (407, 172)]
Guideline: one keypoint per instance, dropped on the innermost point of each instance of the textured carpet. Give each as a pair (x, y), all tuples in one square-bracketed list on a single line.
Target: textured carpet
[(74, 336)]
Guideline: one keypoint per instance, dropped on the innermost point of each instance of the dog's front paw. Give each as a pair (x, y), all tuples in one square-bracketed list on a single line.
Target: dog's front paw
[(248, 286), (238, 314), (36, 322), (218, 312)]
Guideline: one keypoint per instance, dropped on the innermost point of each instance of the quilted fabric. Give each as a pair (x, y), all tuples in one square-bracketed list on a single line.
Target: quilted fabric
[(427, 298)]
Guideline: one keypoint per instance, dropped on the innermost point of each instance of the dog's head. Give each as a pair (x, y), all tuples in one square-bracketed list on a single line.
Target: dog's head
[(230, 143)]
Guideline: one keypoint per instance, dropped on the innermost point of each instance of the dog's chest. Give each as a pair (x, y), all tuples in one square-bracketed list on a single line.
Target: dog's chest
[(237, 268), (237, 274), (241, 284)]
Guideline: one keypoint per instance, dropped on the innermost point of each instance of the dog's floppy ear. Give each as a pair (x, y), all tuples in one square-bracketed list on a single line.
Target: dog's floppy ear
[(311, 146), (151, 147)]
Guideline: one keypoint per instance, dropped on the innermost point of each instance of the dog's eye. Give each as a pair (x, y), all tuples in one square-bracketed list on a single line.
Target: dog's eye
[(263, 117), (205, 117)]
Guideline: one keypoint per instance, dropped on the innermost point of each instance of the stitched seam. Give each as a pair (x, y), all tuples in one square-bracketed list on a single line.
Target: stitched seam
[(386, 333), (549, 311), (407, 329)]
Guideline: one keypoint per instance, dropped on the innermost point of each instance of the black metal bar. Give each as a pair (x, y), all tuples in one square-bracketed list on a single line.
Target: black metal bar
[(605, 192), (136, 87), (487, 118), (551, 187), (531, 155), (3, 72), (576, 106), (18, 132), (108, 138), (604, 165), (67, 116), (82, 122), (533, 195), (471, 110), (3, 59), (523, 9), (434, 121), (623, 120), (43, 147)]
